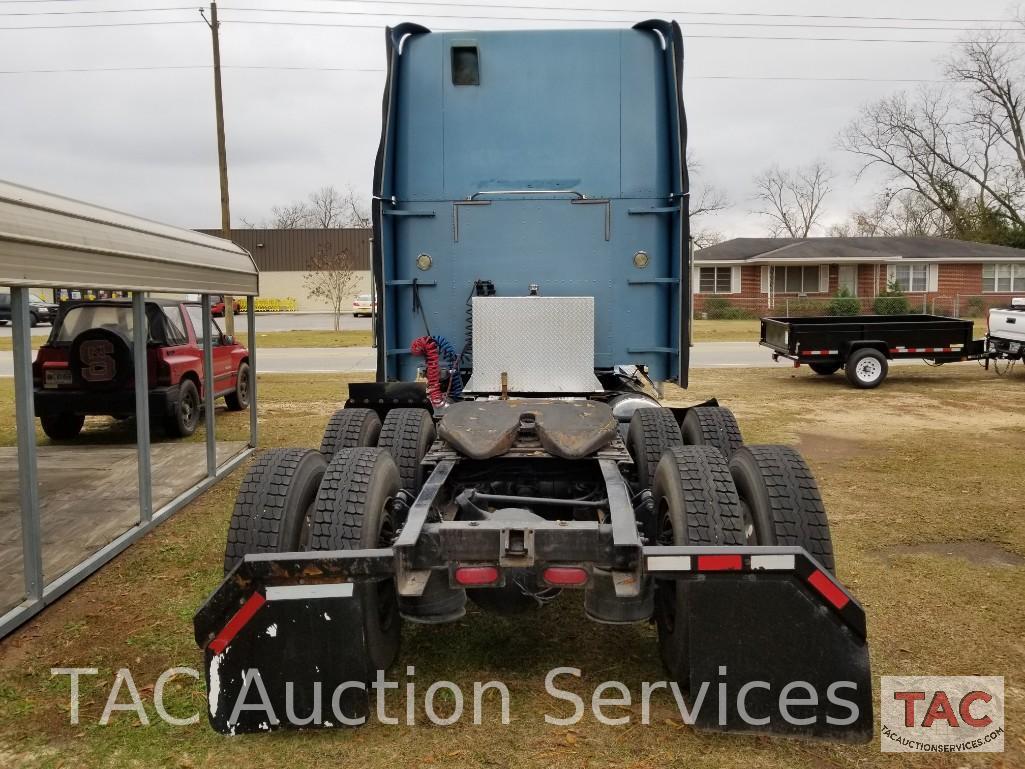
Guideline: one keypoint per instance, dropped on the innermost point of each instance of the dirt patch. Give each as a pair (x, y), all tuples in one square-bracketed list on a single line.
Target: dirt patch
[(981, 553), (827, 447)]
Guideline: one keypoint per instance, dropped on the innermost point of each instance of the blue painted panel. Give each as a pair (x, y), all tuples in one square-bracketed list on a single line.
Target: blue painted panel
[(562, 110)]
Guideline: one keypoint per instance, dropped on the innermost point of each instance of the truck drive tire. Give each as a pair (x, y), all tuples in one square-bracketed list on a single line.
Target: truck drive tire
[(652, 431), (712, 426), (780, 501), (238, 399), (351, 512), (349, 429), (407, 434), (184, 417), (825, 369), (696, 503), (866, 368), (62, 427), (272, 503)]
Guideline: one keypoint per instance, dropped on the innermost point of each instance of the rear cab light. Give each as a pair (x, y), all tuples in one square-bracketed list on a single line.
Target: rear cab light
[(476, 576)]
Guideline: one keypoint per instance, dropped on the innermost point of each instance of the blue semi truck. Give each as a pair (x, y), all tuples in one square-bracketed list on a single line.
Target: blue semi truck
[(530, 259)]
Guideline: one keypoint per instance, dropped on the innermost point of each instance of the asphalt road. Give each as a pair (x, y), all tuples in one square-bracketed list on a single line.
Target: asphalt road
[(270, 321), (318, 360)]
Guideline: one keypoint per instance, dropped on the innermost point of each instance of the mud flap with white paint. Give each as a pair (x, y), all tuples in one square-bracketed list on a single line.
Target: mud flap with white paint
[(289, 657), (774, 659)]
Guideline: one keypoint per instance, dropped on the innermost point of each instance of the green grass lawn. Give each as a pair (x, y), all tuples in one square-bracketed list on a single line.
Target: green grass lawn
[(901, 468)]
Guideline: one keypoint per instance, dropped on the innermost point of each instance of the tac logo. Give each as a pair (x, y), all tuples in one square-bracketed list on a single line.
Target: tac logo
[(942, 714)]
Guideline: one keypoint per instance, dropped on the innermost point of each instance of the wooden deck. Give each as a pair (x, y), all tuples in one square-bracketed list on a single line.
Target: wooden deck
[(88, 495)]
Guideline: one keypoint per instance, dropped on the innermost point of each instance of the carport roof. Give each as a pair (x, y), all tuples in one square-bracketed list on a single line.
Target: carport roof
[(50, 240), (858, 249)]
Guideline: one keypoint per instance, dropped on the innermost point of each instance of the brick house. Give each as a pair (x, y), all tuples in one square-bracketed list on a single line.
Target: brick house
[(941, 275)]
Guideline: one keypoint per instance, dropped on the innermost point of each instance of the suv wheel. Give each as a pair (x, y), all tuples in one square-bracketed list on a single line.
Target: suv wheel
[(239, 399), (184, 419), (62, 427)]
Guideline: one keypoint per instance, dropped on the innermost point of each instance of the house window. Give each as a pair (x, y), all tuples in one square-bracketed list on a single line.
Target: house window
[(796, 280), (715, 280), (911, 277), (1003, 278)]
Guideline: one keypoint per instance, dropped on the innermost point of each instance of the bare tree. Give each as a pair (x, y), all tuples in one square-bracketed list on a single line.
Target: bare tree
[(792, 200), (326, 208), (705, 200), (289, 217), (330, 276), (960, 147), (900, 213)]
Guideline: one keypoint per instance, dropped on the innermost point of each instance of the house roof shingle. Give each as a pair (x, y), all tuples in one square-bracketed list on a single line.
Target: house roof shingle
[(866, 249)]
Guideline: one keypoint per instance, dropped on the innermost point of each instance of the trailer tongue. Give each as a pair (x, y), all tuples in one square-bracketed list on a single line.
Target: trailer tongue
[(530, 224)]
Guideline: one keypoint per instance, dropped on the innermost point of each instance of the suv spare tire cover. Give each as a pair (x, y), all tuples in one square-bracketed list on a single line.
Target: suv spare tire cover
[(101, 359)]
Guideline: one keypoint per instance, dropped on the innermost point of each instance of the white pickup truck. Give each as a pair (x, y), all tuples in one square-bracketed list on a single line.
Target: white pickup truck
[(1006, 330)]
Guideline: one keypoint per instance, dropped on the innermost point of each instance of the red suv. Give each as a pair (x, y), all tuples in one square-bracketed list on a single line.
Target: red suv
[(86, 366)]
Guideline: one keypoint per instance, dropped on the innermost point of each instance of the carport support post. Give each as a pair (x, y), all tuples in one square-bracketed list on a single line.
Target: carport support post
[(254, 428), (140, 337), (208, 388), (28, 472)]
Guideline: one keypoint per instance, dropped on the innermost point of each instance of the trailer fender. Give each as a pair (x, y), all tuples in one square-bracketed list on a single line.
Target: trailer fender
[(848, 348)]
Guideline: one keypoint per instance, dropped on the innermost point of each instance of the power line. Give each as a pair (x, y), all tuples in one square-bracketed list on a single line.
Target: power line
[(105, 24), (84, 12), (669, 12), (303, 68), (499, 6), (432, 15)]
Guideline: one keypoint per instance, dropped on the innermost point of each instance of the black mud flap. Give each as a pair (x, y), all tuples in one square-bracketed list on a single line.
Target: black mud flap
[(751, 637), (289, 658)]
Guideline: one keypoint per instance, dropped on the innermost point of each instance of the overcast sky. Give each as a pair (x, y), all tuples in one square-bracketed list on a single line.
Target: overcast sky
[(143, 140)]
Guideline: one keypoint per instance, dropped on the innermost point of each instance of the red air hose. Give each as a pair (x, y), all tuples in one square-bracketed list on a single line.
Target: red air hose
[(427, 348)]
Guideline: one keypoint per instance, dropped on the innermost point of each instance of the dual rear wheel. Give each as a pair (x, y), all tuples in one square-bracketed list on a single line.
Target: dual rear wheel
[(755, 495), (338, 498)]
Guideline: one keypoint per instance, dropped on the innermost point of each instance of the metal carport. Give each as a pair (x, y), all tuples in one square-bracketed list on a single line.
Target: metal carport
[(47, 239)]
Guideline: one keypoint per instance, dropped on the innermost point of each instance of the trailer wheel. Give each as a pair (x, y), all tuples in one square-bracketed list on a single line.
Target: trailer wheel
[(696, 503), (712, 426), (780, 501), (272, 503), (407, 434), (352, 512), (866, 368), (350, 428), (825, 369), (652, 431)]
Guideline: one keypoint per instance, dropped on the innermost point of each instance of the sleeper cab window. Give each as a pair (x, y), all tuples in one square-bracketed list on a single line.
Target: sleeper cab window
[(465, 65)]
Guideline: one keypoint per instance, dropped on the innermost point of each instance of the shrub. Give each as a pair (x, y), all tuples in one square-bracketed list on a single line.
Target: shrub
[(804, 307), (892, 302), (843, 304), (720, 308)]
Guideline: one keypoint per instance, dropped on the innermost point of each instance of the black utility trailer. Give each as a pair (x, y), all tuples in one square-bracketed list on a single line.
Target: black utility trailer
[(863, 345)]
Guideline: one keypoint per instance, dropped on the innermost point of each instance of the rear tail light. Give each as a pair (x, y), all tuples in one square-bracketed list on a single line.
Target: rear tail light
[(565, 576), (720, 563), (163, 377), (476, 576)]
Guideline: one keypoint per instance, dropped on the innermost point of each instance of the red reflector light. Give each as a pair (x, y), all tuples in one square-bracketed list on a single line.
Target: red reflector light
[(565, 575), (237, 622), (476, 575), (720, 563), (828, 589)]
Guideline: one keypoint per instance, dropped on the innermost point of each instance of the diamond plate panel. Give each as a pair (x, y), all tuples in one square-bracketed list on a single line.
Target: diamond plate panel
[(544, 344)]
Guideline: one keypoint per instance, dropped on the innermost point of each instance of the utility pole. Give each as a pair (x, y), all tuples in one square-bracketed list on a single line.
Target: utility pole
[(222, 155)]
